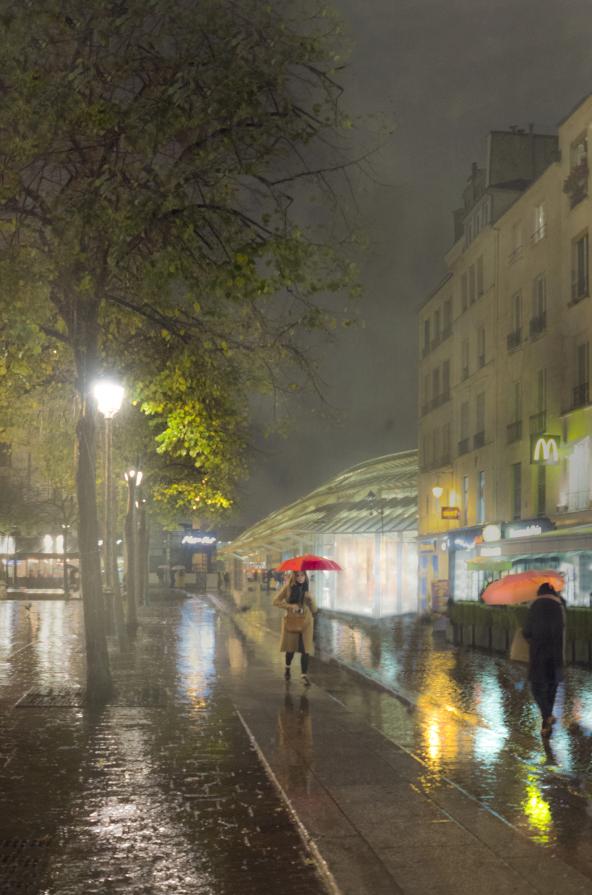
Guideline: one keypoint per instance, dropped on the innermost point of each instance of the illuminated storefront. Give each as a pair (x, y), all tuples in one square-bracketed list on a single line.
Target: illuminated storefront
[(366, 519)]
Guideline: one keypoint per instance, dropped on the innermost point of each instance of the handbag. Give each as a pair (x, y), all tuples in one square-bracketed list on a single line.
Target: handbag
[(519, 650), (295, 623)]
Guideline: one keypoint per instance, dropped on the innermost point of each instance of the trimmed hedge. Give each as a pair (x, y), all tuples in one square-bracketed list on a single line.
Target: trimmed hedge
[(508, 618)]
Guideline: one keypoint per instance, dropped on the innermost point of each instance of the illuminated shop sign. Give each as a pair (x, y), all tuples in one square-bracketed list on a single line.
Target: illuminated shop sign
[(450, 513), (492, 532), (545, 449), (490, 551), (197, 539), (528, 529)]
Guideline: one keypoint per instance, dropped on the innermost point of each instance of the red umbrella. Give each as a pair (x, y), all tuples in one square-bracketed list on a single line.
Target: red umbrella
[(522, 587), (307, 563)]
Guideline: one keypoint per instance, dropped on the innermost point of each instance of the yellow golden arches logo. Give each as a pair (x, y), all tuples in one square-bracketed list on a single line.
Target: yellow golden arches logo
[(546, 450)]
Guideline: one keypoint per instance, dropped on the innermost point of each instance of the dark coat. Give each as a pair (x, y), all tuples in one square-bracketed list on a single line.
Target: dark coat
[(543, 629)]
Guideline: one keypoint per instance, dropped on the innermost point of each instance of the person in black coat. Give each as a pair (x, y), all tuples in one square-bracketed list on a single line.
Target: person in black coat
[(543, 629)]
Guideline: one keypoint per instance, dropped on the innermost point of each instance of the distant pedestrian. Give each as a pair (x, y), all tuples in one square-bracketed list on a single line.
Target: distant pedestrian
[(544, 630), (298, 622)]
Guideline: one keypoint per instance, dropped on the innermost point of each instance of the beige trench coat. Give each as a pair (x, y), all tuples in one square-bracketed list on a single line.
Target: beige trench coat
[(289, 642)]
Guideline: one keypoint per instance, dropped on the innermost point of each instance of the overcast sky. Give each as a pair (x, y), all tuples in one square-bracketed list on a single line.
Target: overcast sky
[(446, 72)]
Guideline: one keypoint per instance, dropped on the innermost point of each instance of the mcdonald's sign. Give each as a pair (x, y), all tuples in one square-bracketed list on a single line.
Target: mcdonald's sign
[(545, 449)]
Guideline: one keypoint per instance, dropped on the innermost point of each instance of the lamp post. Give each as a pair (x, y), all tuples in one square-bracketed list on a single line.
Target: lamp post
[(133, 478), (65, 528), (109, 396)]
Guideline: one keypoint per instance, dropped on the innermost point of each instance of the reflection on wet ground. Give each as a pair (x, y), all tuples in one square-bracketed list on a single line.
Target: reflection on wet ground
[(469, 716), (159, 792)]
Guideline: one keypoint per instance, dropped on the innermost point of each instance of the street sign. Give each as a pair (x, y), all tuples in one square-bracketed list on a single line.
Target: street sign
[(450, 512)]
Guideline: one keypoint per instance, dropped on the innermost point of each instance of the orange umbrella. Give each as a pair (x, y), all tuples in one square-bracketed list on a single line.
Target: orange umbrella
[(522, 587)]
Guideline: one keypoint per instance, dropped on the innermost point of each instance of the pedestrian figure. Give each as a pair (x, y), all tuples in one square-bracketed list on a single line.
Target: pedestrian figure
[(544, 631), (298, 622)]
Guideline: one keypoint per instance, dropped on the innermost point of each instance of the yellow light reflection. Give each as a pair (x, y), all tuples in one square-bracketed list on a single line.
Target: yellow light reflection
[(537, 811), (434, 743)]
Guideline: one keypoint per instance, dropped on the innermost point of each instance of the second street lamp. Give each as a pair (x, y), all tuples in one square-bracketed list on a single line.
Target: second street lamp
[(133, 478)]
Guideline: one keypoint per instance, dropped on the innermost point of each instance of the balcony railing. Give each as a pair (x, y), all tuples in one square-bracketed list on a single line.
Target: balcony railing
[(514, 339), (538, 422), (580, 395), (514, 431), (464, 446), (538, 324), (479, 439)]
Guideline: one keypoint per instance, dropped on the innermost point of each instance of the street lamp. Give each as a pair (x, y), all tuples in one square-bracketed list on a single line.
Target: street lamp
[(133, 478), (437, 491), (108, 395)]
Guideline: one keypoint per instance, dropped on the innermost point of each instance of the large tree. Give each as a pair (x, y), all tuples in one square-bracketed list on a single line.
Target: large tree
[(148, 156)]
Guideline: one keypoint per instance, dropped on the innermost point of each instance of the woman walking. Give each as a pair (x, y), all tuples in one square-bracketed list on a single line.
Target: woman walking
[(544, 630), (298, 622)]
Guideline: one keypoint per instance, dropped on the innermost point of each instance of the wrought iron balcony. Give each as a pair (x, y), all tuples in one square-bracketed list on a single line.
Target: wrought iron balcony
[(514, 431), (464, 446), (538, 324), (479, 439), (514, 339), (580, 395)]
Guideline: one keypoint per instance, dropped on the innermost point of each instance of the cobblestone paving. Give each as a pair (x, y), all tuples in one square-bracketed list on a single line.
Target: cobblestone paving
[(161, 792)]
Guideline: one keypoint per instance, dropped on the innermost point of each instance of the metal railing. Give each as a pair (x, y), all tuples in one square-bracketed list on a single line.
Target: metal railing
[(514, 339), (538, 324), (514, 431), (479, 439), (580, 395), (464, 446)]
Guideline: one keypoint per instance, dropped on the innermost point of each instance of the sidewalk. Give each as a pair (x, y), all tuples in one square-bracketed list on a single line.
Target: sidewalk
[(384, 820), (161, 792), (168, 789)]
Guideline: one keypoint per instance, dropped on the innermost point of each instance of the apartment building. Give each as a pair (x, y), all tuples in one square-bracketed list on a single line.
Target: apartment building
[(499, 475)]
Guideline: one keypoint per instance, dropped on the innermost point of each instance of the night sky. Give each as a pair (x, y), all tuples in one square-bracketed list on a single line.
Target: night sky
[(445, 73)]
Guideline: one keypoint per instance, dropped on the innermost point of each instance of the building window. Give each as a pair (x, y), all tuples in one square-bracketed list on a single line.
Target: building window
[(447, 325), (540, 223), (515, 335), (514, 428), (446, 380), (436, 336), (516, 490), (463, 445), (480, 418), (579, 268), (464, 292), (426, 394), (516, 245), (464, 359), (472, 284), (465, 492), (426, 336), (436, 446), (446, 443), (581, 393), (436, 386), (480, 277), (481, 496), (481, 346), (578, 475), (538, 321), (541, 490)]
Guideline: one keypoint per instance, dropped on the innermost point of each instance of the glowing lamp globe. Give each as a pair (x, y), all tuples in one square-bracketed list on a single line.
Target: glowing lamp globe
[(109, 396), (437, 491)]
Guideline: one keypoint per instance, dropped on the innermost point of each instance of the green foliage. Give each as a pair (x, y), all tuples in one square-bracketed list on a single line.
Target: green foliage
[(152, 156)]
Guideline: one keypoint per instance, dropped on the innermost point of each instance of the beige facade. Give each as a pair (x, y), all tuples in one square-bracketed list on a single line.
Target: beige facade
[(518, 407)]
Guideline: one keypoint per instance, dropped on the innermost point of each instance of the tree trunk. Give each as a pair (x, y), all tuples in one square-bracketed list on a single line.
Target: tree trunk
[(98, 673), (85, 340)]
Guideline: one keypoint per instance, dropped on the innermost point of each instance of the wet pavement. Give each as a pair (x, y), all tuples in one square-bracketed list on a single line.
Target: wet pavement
[(409, 766), (467, 717), (162, 791)]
